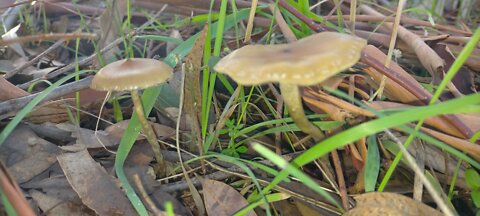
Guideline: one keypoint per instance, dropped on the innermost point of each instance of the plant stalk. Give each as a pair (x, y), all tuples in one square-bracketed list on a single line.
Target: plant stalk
[(147, 129)]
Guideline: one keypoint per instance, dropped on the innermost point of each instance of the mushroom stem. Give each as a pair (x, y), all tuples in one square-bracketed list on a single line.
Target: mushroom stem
[(293, 101), (147, 128)]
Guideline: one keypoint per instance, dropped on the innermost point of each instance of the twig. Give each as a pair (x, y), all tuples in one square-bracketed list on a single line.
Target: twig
[(403, 20), (196, 196), (50, 36), (146, 198), (90, 58), (310, 23), (17, 103), (31, 62), (340, 178)]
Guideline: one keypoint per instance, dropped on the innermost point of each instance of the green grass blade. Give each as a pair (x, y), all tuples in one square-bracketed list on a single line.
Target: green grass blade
[(372, 165), (378, 125), (283, 164), (463, 56), (159, 38), (7, 205), (275, 197)]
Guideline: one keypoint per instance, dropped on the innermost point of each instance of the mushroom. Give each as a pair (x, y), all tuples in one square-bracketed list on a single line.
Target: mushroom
[(305, 62), (132, 75)]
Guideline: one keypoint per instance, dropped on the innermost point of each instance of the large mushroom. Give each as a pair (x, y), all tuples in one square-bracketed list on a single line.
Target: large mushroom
[(132, 75), (305, 62)]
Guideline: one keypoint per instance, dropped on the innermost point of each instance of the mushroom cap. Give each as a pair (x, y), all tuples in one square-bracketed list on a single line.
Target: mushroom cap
[(304, 62), (131, 74)]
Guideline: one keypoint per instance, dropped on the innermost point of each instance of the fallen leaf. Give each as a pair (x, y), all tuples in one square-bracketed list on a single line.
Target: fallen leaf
[(52, 111), (116, 131), (98, 190), (52, 205), (221, 199), (10, 91), (377, 203), (86, 138), (27, 155)]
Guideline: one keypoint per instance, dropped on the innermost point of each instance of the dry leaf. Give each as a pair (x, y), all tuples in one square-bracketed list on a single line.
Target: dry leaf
[(98, 190), (53, 111), (115, 131), (222, 199), (10, 91), (27, 155), (377, 203), (52, 205)]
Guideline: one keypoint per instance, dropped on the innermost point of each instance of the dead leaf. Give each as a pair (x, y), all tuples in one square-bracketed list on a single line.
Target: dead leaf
[(377, 203), (463, 79), (222, 199), (86, 138), (394, 91), (116, 131), (10, 91), (52, 205), (27, 155), (52, 111), (98, 190), (437, 122)]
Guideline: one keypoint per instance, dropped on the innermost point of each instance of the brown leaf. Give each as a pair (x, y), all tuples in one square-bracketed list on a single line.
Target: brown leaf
[(471, 149), (53, 111), (10, 91), (472, 122), (394, 91), (98, 190), (221, 199), (116, 131), (27, 155), (463, 80), (429, 59), (343, 104), (377, 203), (56, 206), (86, 138)]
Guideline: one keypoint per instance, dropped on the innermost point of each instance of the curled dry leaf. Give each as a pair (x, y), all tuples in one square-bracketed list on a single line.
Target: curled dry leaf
[(471, 121), (377, 203), (429, 59), (354, 110), (393, 90), (335, 113), (221, 199), (98, 190), (469, 148)]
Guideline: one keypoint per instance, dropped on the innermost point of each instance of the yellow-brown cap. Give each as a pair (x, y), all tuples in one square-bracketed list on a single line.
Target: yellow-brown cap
[(304, 62), (131, 74)]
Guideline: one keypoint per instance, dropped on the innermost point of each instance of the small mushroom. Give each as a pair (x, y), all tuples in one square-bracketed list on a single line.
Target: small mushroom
[(305, 62), (132, 75)]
